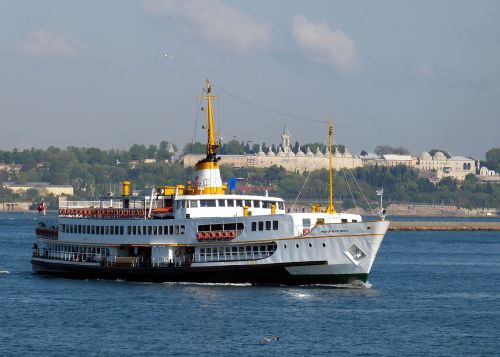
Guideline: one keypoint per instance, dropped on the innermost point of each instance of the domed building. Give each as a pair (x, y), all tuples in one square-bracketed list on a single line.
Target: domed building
[(286, 158)]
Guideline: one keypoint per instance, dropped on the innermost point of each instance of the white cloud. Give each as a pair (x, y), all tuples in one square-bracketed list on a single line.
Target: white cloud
[(322, 45), (217, 21), (425, 71), (54, 43)]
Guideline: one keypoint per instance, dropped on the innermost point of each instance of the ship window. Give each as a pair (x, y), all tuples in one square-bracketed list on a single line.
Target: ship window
[(306, 222), (261, 226), (155, 230), (230, 203), (221, 203), (207, 203), (134, 230), (257, 204), (171, 229), (106, 230), (297, 245), (101, 228), (255, 248), (266, 204), (310, 245), (160, 230), (284, 246), (281, 205), (216, 227), (275, 225), (268, 225), (239, 203), (129, 230), (324, 245), (176, 229), (354, 220), (248, 248), (183, 204), (203, 227), (254, 226), (194, 204), (150, 230), (344, 220), (92, 229), (183, 229)]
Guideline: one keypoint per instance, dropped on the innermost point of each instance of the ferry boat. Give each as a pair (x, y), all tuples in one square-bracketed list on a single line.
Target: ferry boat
[(202, 232)]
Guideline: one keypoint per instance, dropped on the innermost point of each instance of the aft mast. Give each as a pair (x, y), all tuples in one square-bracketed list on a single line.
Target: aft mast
[(331, 208)]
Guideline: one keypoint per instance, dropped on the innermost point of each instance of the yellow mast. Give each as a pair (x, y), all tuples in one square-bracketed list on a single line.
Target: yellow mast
[(206, 178), (331, 208), (212, 144)]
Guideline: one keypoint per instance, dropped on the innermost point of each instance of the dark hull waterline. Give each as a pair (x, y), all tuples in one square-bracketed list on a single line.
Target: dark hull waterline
[(264, 274)]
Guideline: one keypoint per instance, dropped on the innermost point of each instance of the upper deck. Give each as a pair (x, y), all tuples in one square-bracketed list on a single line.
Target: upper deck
[(185, 206)]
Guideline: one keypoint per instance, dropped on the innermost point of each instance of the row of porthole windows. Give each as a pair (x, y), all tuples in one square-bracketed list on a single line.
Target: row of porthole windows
[(119, 230), (297, 245), (268, 224)]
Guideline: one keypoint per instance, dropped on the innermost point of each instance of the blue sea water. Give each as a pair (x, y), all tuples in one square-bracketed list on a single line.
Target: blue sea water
[(430, 294)]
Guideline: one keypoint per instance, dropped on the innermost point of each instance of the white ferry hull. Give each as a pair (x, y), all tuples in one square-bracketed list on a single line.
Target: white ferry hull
[(330, 254)]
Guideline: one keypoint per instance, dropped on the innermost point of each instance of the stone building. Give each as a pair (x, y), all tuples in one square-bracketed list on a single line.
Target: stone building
[(456, 166), (285, 157)]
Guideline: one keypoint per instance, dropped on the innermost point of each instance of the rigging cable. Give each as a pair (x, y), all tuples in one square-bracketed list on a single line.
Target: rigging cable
[(362, 193), (352, 195), (304, 184), (267, 109)]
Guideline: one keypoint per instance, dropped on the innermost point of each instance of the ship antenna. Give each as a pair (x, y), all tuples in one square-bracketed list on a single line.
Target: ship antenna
[(331, 208)]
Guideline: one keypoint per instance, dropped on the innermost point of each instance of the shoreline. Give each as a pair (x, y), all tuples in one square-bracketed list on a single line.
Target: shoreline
[(443, 226)]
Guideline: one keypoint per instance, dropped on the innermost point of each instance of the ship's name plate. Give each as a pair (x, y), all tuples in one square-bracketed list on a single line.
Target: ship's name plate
[(335, 231)]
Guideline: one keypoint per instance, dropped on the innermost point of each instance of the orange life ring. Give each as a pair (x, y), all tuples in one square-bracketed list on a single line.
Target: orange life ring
[(199, 235), (232, 234), (306, 231)]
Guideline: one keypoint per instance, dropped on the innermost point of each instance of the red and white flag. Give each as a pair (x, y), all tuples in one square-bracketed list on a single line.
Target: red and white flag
[(41, 207)]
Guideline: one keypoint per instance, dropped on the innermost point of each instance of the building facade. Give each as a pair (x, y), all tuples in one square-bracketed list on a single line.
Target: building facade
[(285, 157)]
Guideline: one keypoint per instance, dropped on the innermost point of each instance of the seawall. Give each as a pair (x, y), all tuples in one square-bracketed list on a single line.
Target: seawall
[(443, 226)]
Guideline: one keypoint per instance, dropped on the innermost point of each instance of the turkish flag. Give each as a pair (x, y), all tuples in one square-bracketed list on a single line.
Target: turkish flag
[(41, 206)]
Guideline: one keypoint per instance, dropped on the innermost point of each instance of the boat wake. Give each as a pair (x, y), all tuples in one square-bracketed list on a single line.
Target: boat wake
[(4, 272), (356, 284), (177, 283)]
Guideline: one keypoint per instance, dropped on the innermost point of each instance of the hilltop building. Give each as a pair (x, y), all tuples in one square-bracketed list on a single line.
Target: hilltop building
[(434, 167), (285, 157), (456, 166)]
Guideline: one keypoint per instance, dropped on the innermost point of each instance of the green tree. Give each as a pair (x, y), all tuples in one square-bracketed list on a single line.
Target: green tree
[(386, 149), (233, 147), (195, 148), (432, 152), (138, 152), (493, 159)]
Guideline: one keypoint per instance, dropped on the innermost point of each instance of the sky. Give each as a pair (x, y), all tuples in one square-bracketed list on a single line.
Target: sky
[(109, 74)]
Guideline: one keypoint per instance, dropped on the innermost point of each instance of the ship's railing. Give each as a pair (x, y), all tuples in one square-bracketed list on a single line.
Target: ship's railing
[(68, 256), (140, 262), (116, 203)]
